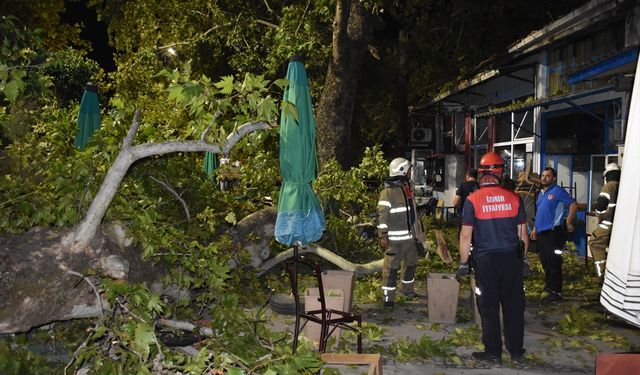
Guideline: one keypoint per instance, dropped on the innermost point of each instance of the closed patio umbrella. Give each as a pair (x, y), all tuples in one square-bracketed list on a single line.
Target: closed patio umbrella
[(300, 218), (210, 163), (88, 116)]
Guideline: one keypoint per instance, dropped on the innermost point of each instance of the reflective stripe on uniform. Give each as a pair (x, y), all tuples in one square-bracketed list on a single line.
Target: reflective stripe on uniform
[(384, 203), (408, 282), (397, 209), (388, 288), (607, 222), (604, 226), (400, 238), (597, 264), (478, 292), (398, 232), (611, 205), (601, 212), (606, 195), (382, 226), (558, 251)]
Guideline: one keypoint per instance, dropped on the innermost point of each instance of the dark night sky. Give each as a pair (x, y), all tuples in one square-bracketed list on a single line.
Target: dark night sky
[(93, 31)]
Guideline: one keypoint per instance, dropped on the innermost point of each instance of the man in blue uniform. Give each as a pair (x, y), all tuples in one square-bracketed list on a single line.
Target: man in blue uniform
[(550, 230), (495, 218)]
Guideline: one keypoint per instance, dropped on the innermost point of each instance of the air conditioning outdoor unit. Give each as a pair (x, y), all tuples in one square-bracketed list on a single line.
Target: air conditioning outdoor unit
[(420, 135)]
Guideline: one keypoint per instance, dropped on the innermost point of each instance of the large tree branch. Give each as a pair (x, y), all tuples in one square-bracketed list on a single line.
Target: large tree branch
[(151, 149), (135, 125), (359, 269), (88, 227)]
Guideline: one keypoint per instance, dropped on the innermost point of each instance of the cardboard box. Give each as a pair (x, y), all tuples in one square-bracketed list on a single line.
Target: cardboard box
[(442, 296), (334, 299), (333, 279)]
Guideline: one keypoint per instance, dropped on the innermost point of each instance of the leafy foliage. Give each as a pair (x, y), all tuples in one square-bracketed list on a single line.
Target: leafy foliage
[(425, 348), (70, 71), (17, 359)]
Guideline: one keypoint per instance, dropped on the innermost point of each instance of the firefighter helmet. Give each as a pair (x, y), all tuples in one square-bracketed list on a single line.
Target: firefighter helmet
[(611, 172), (399, 167), (491, 163), (610, 167)]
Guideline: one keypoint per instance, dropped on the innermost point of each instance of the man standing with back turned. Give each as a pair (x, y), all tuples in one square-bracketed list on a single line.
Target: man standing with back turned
[(495, 218), (551, 232)]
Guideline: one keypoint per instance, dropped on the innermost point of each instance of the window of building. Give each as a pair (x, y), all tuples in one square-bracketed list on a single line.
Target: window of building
[(571, 57)]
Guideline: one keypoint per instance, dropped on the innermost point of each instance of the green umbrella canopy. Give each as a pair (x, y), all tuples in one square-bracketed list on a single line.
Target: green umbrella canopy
[(300, 216), (89, 115), (210, 163)]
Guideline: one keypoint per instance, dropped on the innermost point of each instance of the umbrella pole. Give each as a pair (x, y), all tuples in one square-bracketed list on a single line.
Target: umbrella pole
[(294, 286)]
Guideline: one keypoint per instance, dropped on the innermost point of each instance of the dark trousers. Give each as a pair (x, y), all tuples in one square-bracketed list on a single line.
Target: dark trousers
[(550, 244), (499, 283)]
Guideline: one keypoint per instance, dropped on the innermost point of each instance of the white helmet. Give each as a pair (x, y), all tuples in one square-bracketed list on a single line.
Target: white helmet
[(399, 167), (610, 167)]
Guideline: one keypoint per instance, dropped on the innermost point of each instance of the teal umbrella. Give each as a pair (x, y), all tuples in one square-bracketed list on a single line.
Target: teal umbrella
[(89, 115), (210, 163), (300, 218)]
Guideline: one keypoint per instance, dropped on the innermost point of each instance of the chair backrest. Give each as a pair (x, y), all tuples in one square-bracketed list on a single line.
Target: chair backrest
[(293, 270)]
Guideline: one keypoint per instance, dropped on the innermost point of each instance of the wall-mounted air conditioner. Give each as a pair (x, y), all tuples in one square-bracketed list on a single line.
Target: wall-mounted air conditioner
[(421, 136)]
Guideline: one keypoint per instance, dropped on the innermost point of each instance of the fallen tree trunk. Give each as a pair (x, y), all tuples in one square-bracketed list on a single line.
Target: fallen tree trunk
[(36, 285), (40, 282)]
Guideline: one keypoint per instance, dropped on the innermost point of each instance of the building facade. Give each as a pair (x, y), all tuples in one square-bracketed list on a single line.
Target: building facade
[(559, 97)]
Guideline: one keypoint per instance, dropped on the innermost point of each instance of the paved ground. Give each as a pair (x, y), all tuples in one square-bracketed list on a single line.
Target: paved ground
[(548, 352)]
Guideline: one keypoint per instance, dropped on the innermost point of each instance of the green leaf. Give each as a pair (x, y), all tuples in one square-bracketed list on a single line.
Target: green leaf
[(176, 93), (154, 303), (231, 218), (289, 109), (235, 371), (225, 85), (143, 339), (282, 83), (13, 88)]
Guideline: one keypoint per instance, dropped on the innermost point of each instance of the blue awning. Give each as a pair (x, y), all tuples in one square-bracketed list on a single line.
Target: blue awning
[(628, 57)]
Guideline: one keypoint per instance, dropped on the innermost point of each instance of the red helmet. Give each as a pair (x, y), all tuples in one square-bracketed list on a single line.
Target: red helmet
[(491, 163)]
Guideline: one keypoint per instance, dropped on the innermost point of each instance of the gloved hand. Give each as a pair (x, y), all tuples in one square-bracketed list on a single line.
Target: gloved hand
[(463, 270), (526, 269), (384, 242)]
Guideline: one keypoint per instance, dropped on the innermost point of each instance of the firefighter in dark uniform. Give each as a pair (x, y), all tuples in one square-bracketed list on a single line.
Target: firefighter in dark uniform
[(399, 229), (605, 208), (496, 219)]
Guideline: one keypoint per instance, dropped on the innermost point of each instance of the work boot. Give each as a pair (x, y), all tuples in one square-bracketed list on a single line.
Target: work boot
[(487, 357), (518, 358), (552, 297)]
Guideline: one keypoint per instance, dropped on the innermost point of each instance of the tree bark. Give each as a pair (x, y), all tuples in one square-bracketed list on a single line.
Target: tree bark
[(352, 32)]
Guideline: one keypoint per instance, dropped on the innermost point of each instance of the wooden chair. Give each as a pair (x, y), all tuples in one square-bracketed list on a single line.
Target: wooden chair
[(328, 319)]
